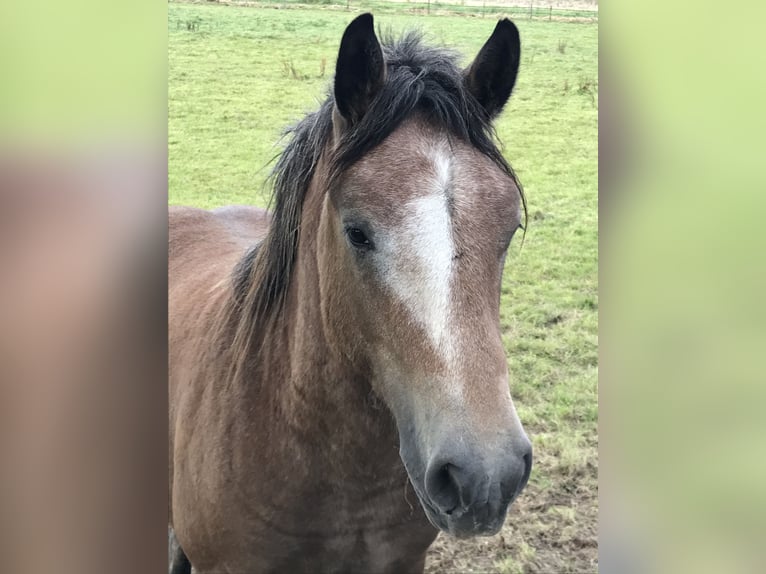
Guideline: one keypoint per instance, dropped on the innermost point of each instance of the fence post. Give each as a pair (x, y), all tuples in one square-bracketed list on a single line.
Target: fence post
[(550, 13), (531, 2)]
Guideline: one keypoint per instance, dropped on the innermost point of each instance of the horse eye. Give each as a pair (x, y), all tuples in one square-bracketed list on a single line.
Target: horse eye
[(358, 238)]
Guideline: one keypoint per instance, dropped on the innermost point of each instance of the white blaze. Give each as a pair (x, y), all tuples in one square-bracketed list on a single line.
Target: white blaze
[(420, 267)]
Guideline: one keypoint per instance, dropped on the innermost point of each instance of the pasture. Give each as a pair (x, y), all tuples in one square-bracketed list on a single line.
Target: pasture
[(238, 75)]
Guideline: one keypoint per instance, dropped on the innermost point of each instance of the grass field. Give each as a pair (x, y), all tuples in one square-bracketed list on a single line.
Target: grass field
[(238, 75), (540, 9)]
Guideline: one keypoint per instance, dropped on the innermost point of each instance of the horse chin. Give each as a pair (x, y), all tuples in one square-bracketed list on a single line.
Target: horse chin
[(460, 524)]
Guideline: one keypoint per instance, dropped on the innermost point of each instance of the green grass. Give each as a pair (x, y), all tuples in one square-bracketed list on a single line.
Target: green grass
[(539, 11), (238, 76)]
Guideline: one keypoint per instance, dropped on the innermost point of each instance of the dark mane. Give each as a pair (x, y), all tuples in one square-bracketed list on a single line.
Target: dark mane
[(419, 79)]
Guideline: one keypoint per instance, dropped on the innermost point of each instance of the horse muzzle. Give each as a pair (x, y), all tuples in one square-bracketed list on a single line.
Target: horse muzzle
[(466, 492)]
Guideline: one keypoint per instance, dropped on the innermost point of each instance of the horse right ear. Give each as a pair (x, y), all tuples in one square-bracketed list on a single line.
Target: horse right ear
[(360, 71), (491, 76)]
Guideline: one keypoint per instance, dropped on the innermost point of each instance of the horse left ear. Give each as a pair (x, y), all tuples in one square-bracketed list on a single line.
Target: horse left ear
[(360, 71), (491, 76)]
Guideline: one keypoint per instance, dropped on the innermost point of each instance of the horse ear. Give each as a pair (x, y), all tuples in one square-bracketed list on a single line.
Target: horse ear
[(491, 76), (360, 71)]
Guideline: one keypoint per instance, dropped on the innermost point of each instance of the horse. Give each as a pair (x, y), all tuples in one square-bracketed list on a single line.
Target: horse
[(339, 391)]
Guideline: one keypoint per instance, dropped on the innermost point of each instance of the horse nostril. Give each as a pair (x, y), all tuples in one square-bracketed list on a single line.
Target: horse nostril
[(443, 487), (527, 471), (528, 463)]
